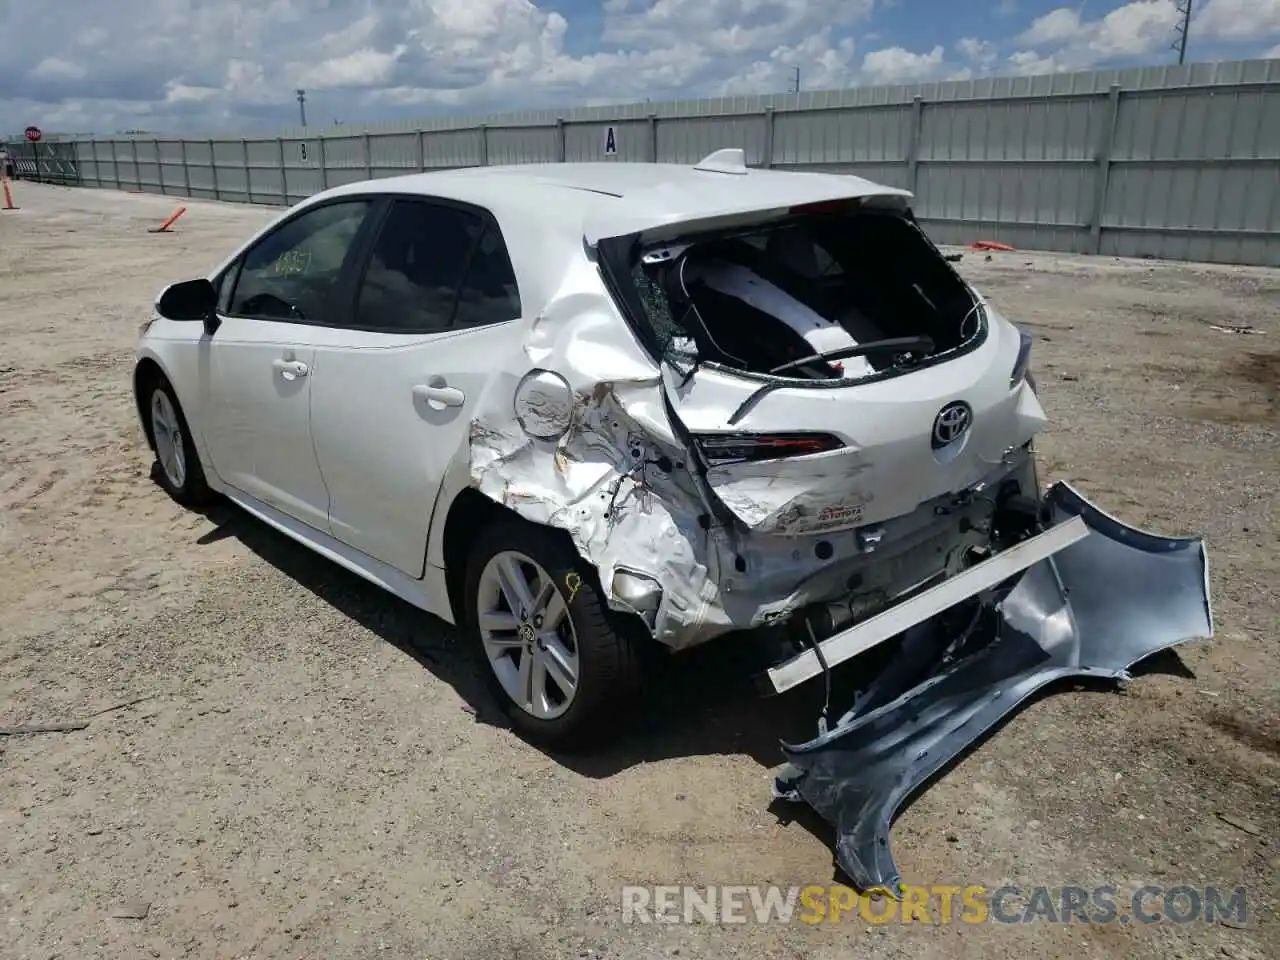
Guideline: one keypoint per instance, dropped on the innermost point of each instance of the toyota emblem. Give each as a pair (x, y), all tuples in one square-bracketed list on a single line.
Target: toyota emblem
[(950, 424)]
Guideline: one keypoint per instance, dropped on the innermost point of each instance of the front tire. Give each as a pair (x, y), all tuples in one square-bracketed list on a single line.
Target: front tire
[(177, 466), (541, 631)]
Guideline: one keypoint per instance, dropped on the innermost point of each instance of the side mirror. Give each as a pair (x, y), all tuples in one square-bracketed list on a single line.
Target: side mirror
[(190, 300)]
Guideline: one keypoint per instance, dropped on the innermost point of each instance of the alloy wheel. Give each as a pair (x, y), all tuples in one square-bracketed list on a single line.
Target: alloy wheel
[(528, 634), (166, 431)]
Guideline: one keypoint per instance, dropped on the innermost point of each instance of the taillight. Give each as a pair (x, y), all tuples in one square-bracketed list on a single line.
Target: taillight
[(718, 448), (1022, 365)]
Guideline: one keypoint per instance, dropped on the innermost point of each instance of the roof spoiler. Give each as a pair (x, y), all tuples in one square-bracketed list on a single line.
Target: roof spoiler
[(662, 211)]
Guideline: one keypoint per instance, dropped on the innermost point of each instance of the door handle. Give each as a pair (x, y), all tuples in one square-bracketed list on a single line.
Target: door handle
[(439, 396), (290, 369)]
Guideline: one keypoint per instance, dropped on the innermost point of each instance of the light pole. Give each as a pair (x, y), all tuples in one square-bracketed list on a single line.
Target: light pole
[(302, 106), (1182, 28)]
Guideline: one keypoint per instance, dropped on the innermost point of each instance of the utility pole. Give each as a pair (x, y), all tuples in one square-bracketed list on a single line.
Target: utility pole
[(302, 106), (1183, 28)]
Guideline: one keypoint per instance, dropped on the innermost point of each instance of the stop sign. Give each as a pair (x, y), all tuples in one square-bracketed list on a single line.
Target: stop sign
[(33, 134)]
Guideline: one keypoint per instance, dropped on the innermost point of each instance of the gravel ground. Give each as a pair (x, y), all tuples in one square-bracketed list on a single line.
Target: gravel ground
[(314, 771)]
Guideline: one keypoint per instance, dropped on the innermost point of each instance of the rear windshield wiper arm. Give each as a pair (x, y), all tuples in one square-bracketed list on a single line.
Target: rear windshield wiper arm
[(893, 345)]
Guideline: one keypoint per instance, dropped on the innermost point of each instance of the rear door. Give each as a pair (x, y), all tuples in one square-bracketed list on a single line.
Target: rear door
[(395, 385), (255, 370)]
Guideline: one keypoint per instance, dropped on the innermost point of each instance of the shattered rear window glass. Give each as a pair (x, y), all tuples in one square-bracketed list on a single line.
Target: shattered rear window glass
[(671, 336)]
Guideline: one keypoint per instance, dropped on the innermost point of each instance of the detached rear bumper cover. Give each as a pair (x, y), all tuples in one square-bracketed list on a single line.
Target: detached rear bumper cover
[(1094, 608)]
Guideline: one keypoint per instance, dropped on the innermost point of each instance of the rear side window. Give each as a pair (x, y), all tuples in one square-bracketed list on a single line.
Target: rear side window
[(489, 293), (415, 268), (292, 274)]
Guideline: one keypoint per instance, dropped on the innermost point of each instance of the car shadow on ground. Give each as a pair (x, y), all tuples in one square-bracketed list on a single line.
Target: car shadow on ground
[(702, 703)]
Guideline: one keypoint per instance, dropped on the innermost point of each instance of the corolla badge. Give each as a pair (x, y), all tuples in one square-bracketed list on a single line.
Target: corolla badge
[(950, 424)]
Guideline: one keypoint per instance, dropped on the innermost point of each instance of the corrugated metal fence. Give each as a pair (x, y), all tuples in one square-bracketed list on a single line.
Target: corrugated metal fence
[(1176, 162), (53, 162)]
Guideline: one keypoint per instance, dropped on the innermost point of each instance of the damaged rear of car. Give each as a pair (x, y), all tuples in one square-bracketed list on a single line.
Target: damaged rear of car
[(856, 419), (767, 400)]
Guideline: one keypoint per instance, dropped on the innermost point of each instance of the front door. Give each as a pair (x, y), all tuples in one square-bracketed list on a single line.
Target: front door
[(393, 394), (256, 369)]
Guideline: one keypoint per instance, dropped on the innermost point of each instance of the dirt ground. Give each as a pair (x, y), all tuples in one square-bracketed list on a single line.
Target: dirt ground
[(315, 773)]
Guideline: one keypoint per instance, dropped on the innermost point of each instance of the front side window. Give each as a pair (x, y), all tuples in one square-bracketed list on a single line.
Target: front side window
[(226, 286), (415, 268), (293, 273)]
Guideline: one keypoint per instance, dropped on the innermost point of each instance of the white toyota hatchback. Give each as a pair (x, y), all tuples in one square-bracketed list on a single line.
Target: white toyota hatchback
[(578, 409)]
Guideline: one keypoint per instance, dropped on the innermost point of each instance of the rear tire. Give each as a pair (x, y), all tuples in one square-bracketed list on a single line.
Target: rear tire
[(541, 631), (177, 465)]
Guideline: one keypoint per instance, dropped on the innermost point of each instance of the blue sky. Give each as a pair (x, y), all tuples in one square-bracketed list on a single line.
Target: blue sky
[(186, 65)]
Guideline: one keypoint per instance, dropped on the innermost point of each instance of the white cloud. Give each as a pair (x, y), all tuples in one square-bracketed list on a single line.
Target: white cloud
[(1239, 19), (92, 66), (824, 64), (365, 58), (360, 68), (1272, 54), (1135, 28), (1056, 26), (766, 21), (899, 65), (1028, 63), (1131, 31), (729, 26), (181, 93), (979, 52), (245, 83), (55, 68)]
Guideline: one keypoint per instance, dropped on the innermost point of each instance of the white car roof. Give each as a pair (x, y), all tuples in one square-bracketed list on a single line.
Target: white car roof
[(611, 199)]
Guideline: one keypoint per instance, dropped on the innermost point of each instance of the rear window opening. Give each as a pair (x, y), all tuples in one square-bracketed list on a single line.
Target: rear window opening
[(821, 296)]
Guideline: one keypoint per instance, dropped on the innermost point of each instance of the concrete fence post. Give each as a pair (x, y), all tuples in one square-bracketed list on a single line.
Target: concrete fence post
[(767, 159), (115, 162), (368, 156), (1103, 173), (137, 171), (913, 147), (653, 138), (155, 145), (186, 170), (484, 144), (320, 157), (561, 145), (248, 176), (213, 170), (284, 173), (422, 150)]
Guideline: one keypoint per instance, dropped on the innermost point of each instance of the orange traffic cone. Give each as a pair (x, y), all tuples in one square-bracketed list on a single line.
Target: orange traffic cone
[(164, 227)]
